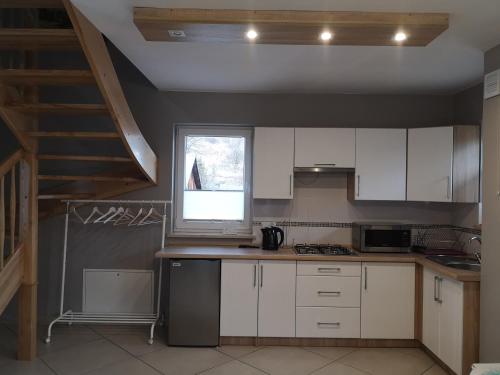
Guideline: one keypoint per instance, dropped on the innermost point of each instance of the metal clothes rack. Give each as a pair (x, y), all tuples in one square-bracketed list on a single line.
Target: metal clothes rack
[(70, 316)]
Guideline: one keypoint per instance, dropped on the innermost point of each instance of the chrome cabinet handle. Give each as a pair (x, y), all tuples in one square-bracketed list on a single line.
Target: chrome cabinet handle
[(435, 289), (332, 324), (329, 269), (448, 187), (290, 186), (261, 275), (359, 178), (366, 278), (254, 275), (325, 292), (440, 281), (325, 164)]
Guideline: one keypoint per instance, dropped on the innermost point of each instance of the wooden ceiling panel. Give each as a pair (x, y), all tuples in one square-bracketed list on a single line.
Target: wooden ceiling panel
[(289, 27)]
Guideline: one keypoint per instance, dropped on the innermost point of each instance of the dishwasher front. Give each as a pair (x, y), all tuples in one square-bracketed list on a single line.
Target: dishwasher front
[(193, 302)]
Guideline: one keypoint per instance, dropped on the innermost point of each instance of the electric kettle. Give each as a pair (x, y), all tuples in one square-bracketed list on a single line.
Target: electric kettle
[(270, 239)]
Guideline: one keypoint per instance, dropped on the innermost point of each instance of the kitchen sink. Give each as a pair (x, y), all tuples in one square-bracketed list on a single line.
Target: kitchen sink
[(458, 262)]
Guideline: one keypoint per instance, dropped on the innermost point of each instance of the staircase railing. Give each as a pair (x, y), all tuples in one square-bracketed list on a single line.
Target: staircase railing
[(14, 195)]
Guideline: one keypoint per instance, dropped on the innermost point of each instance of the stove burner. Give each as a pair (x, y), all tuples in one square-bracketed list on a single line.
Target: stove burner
[(315, 249)]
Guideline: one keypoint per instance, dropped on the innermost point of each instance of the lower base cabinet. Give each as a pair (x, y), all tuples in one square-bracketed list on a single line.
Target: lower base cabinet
[(442, 318), (258, 298), (328, 322)]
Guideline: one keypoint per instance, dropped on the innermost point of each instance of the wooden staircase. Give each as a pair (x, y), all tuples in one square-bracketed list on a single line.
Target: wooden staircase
[(40, 125)]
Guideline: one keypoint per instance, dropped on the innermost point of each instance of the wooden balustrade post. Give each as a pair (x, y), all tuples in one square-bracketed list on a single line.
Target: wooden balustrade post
[(27, 318)]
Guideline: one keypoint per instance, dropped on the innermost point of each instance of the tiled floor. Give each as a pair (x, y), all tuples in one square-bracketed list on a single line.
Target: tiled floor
[(123, 351)]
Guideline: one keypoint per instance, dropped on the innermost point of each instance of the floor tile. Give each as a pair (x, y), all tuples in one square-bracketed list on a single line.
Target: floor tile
[(36, 367), (385, 362), (237, 351), (129, 367), (285, 360), (8, 345), (136, 345), (332, 353), (115, 329), (185, 361), (64, 337), (84, 358), (338, 369), (418, 353), (233, 368), (435, 370)]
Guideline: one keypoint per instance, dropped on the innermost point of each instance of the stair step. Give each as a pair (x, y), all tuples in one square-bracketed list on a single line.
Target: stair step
[(87, 178), (31, 4), (82, 135), (117, 159), (46, 77), (35, 39), (59, 108), (64, 196)]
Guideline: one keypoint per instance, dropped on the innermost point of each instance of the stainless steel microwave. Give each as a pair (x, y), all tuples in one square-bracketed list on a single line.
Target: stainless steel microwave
[(381, 237)]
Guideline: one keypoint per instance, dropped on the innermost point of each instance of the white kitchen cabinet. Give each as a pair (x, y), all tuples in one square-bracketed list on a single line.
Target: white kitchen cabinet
[(273, 163), (276, 316), (325, 147), (239, 298), (388, 300), (328, 322), (325, 291), (380, 165), (430, 164), (442, 323)]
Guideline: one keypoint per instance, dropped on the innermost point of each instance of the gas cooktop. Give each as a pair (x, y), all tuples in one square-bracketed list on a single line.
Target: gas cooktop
[(315, 249)]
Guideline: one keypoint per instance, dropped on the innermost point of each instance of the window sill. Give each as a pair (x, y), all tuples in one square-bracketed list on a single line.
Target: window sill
[(241, 236)]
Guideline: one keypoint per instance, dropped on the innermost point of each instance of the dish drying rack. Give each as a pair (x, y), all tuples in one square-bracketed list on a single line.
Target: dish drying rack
[(113, 216)]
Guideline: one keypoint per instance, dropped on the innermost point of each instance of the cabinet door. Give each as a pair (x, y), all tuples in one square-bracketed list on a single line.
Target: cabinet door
[(325, 147), (380, 164), (239, 298), (451, 323), (430, 163), (273, 163), (388, 301), (277, 298), (430, 318)]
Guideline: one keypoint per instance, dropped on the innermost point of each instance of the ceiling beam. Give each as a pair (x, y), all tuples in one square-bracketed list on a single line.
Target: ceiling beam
[(289, 27)]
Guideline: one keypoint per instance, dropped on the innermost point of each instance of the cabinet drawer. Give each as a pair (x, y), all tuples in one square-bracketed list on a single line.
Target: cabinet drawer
[(329, 268), (328, 291), (328, 322)]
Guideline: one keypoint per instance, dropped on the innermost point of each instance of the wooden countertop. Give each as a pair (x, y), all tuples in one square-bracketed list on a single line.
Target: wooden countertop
[(229, 252)]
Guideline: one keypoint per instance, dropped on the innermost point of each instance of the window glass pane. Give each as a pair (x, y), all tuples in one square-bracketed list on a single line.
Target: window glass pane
[(214, 205), (214, 163)]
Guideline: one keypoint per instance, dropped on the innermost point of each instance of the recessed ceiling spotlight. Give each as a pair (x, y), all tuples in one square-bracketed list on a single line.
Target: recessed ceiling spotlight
[(252, 34), (400, 36), (325, 36)]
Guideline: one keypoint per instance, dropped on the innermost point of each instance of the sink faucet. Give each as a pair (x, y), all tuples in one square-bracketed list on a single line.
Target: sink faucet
[(477, 253)]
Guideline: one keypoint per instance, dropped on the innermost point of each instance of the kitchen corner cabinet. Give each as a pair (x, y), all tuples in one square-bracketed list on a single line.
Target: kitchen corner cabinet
[(273, 158), (258, 298), (443, 164), (388, 301), (442, 318), (380, 172), (325, 147)]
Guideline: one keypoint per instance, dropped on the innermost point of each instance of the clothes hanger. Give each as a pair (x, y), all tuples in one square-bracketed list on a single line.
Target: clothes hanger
[(153, 216), (125, 218), (119, 211), (101, 218), (95, 210), (136, 217), (73, 209)]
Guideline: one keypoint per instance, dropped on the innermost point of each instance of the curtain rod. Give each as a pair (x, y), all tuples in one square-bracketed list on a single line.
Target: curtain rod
[(116, 201)]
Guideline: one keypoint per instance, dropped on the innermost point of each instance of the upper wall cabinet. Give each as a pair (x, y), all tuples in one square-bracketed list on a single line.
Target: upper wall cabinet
[(443, 164), (273, 163), (380, 165), (325, 148)]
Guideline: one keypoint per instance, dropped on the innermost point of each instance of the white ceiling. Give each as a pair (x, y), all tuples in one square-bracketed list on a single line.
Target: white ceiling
[(452, 62)]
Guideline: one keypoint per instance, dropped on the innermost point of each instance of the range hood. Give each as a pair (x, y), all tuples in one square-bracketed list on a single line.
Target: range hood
[(322, 169)]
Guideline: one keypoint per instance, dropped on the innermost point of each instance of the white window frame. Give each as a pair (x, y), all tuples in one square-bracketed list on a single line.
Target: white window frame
[(211, 227)]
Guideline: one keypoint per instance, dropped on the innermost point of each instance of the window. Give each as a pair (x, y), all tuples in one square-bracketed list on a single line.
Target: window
[(212, 180)]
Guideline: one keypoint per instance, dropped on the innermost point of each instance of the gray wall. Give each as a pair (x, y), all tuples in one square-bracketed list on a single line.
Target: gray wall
[(490, 275)]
